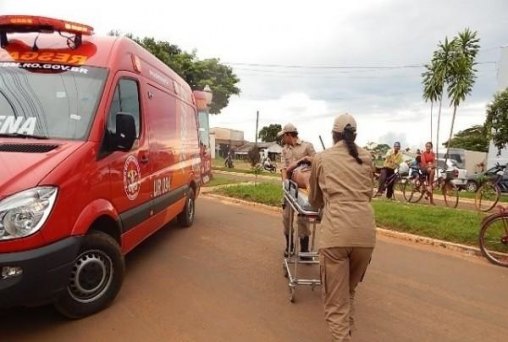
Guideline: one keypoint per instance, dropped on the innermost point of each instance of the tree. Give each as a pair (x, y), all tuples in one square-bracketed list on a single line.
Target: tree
[(381, 149), (463, 74), (472, 138), (496, 123), (253, 156), (197, 73), (452, 65), (435, 77), (269, 133), (378, 151)]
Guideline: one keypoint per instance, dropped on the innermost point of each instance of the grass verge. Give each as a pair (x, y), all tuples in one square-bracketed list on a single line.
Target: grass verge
[(266, 193), (454, 225)]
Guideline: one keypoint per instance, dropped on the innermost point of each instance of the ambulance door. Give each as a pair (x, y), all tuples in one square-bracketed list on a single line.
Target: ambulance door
[(131, 171)]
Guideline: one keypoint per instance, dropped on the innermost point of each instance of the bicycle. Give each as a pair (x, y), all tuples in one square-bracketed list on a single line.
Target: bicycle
[(489, 192), (416, 187), (395, 179), (493, 237)]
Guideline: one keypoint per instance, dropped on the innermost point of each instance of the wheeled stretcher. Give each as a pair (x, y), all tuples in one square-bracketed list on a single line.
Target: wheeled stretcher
[(298, 203)]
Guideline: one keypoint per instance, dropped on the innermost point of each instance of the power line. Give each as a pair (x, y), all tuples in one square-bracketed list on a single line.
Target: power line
[(327, 67)]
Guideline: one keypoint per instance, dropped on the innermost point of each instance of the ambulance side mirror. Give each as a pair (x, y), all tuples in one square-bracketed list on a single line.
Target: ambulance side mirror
[(125, 132)]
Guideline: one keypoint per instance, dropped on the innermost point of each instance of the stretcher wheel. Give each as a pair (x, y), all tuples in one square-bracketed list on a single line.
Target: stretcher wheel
[(291, 294)]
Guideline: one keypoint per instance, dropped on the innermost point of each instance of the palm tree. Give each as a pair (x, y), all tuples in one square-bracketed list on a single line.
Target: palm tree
[(436, 76), (431, 90), (462, 74)]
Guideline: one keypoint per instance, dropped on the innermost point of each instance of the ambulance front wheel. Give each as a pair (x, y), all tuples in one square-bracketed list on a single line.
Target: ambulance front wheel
[(186, 217), (95, 279)]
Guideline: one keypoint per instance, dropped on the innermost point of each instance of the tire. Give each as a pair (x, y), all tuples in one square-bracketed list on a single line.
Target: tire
[(487, 197), (494, 239), (471, 186), (398, 187), (451, 195), (412, 190), (186, 217), (96, 277)]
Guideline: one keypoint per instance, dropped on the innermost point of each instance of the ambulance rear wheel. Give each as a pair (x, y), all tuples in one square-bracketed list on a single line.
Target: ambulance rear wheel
[(186, 217), (95, 279)]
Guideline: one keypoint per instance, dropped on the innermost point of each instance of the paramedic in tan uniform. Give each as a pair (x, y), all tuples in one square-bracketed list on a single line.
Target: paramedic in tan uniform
[(294, 151), (341, 184)]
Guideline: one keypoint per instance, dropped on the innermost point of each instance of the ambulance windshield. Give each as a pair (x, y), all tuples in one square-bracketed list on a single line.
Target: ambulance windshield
[(53, 101)]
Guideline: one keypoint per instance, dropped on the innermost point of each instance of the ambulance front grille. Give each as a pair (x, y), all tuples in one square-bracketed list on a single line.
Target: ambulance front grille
[(27, 148)]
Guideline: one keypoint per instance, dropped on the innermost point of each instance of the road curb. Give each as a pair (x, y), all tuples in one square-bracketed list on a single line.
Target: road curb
[(468, 250)]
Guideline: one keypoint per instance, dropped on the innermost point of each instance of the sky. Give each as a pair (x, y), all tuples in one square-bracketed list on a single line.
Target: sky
[(306, 62)]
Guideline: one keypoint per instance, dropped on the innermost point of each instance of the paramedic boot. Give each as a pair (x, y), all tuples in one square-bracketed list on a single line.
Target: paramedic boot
[(304, 243), (289, 246)]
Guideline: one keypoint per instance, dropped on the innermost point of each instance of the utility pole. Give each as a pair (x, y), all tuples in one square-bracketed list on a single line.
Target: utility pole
[(257, 123)]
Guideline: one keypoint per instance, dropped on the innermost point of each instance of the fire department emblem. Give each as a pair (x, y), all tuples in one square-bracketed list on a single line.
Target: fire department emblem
[(131, 177)]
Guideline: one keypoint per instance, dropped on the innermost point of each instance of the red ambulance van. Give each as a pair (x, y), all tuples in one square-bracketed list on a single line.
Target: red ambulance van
[(98, 150)]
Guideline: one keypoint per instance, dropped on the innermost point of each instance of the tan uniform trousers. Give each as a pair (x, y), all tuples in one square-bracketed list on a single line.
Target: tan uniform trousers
[(342, 268), (303, 225)]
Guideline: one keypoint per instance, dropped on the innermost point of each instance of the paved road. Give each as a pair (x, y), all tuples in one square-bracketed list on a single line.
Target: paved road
[(221, 280)]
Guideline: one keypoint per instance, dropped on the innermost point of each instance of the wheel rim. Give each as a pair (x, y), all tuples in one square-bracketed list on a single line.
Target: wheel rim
[(471, 187), (486, 197), (494, 241), (190, 209), (91, 276), (451, 195), (412, 191)]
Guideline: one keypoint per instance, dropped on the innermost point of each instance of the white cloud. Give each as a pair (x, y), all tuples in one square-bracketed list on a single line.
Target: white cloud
[(386, 103)]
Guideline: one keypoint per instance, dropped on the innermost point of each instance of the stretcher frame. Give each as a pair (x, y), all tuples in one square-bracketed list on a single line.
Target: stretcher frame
[(291, 262)]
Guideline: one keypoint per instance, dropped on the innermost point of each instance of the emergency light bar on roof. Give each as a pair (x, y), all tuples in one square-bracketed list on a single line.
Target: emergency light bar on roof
[(28, 23)]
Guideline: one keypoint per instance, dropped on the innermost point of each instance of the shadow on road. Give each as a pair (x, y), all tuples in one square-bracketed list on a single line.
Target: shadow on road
[(45, 317)]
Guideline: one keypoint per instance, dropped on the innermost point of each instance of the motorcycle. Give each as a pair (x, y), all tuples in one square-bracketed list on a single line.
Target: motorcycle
[(269, 166)]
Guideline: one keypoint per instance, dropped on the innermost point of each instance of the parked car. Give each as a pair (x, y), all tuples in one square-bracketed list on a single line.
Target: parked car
[(461, 179), (476, 180)]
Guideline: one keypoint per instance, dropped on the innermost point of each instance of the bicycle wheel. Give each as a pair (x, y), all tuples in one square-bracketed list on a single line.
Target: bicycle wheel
[(411, 190), (494, 239), (450, 194), (487, 197), (398, 187)]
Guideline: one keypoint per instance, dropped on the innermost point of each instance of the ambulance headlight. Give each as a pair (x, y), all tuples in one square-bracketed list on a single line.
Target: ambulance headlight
[(24, 213)]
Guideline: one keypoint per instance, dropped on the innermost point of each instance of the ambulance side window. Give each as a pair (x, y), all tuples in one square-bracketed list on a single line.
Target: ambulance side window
[(125, 99)]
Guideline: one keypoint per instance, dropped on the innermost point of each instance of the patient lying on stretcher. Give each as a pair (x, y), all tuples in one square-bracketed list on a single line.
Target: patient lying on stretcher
[(300, 174)]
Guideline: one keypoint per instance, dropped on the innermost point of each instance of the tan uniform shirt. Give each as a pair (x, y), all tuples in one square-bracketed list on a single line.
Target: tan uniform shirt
[(291, 153), (343, 188)]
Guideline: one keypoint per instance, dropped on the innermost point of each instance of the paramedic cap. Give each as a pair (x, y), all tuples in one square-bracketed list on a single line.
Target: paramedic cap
[(342, 121), (288, 128)]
